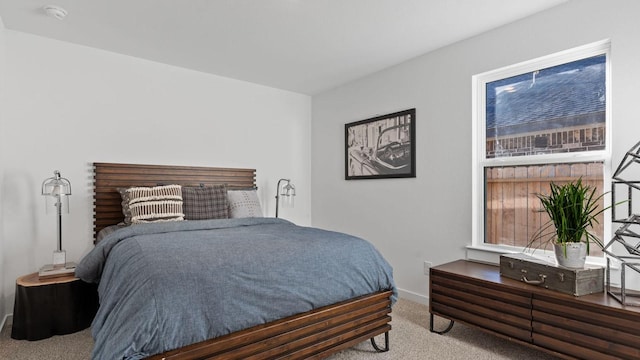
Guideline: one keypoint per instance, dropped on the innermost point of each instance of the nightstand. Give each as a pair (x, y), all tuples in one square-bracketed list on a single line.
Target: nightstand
[(52, 306)]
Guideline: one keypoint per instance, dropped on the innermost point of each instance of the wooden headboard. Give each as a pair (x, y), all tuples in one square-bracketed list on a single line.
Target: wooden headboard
[(108, 177)]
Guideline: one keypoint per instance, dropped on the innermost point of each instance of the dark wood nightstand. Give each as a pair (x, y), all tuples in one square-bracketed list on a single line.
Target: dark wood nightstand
[(52, 306)]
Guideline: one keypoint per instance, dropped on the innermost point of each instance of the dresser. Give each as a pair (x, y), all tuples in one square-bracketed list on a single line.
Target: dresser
[(593, 326)]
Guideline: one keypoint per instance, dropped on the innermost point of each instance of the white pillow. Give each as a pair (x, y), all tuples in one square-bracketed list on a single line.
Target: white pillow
[(244, 203)]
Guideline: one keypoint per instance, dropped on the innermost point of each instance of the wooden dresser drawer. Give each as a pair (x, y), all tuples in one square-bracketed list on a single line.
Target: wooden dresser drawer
[(493, 307), (585, 330)]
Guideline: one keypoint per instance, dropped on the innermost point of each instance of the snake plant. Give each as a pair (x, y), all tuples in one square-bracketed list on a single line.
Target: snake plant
[(573, 210)]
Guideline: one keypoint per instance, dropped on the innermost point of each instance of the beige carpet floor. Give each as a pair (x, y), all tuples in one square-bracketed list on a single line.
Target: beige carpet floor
[(409, 339)]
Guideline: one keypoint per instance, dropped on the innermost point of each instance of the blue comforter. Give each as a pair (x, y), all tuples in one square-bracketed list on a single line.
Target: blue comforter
[(167, 285)]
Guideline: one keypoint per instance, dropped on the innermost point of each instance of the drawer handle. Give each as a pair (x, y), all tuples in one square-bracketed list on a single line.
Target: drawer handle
[(535, 282)]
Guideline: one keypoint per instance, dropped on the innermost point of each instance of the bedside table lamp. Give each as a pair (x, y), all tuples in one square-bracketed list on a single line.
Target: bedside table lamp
[(287, 189), (57, 189)]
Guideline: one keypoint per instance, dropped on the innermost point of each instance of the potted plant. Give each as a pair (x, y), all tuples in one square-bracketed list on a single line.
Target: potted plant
[(573, 210)]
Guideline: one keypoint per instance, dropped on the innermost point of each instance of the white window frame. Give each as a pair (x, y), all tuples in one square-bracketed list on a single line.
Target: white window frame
[(479, 250)]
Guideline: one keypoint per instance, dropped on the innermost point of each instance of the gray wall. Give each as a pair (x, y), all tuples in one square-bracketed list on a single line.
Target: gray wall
[(429, 217)]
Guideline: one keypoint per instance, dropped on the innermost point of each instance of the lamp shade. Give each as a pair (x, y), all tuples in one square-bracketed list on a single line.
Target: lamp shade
[(56, 185), (56, 189)]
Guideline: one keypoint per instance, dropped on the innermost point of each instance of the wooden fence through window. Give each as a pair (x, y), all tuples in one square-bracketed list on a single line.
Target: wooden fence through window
[(513, 211)]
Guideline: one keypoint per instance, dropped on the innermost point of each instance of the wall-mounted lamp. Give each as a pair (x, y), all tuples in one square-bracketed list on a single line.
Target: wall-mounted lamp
[(57, 190), (287, 189)]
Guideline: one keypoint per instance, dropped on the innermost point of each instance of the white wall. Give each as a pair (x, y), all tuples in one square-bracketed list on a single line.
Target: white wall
[(68, 106), (2, 156), (429, 217)]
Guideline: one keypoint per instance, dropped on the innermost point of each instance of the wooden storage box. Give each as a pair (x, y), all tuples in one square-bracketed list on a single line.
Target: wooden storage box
[(538, 272)]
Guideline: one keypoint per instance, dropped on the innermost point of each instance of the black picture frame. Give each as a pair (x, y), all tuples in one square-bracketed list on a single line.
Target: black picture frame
[(381, 147)]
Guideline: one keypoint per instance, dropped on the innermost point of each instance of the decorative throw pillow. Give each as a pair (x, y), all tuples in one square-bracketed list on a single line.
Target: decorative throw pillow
[(205, 202), (152, 204), (244, 203), (125, 205)]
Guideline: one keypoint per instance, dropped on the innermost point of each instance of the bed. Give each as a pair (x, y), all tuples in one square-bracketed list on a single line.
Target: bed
[(313, 330)]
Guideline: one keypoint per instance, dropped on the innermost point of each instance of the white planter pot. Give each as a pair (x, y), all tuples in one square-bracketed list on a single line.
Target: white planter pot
[(576, 255)]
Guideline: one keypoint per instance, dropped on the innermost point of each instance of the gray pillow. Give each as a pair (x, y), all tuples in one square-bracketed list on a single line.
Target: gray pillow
[(205, 202), (244, 203), (108, 230)]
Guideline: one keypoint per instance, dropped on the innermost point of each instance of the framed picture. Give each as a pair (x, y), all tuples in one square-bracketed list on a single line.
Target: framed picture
[(381, 147)]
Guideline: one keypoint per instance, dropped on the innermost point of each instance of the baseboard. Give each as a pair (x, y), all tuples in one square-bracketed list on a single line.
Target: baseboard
[(415, 297), (5, 321)]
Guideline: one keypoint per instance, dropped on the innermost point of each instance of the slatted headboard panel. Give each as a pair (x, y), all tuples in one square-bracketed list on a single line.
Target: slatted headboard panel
[(108, 177)]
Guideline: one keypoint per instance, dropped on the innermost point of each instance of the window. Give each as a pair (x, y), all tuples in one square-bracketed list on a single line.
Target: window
[(536, 122)]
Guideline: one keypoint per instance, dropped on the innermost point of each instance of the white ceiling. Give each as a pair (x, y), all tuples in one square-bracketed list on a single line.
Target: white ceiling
[(305, 46)]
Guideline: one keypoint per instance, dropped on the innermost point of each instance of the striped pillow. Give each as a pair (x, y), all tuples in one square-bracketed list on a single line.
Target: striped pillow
[(205, 202), (152, 204)]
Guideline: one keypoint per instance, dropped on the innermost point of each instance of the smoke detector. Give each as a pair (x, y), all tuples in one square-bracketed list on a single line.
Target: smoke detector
[(55, 11)]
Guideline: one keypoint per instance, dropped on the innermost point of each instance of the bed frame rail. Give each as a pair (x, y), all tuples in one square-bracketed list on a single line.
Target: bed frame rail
[(312, 335)]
